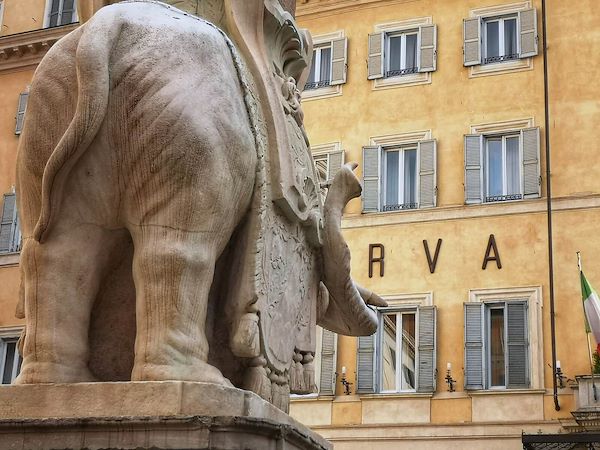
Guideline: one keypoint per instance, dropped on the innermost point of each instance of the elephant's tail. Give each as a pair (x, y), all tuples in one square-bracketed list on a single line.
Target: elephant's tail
[(93, 78)]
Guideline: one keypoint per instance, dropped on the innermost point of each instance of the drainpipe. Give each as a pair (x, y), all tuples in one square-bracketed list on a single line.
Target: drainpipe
[(549, 209)]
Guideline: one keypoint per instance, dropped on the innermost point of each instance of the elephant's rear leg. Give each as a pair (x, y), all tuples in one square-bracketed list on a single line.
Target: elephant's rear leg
[(61, 280), (173, 271)]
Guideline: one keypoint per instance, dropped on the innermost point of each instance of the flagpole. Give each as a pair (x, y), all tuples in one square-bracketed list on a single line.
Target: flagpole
[(588, 338)]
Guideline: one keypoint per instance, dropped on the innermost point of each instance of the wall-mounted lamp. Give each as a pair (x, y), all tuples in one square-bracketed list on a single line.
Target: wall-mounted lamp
[(560, 377), (449, 380), (345, 382)]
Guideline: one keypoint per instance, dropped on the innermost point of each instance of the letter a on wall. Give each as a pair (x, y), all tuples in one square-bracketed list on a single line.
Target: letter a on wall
[(373, 259), (488, 256)]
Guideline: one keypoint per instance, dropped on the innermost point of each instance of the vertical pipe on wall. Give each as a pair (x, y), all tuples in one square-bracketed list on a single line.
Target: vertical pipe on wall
[(549, 208)]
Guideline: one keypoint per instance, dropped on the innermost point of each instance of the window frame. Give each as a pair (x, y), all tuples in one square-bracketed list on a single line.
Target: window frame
[(48, 10), (384, 178), (402, 34), (317, 83), (502, 58), (503, 136), (10, 335)]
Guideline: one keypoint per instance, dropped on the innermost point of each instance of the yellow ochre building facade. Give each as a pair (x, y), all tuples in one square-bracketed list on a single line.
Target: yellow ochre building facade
[(443, 105)]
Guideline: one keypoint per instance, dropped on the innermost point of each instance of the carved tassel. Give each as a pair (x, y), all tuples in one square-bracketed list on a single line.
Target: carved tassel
[(257, 380), (297, 375), (309, 373)]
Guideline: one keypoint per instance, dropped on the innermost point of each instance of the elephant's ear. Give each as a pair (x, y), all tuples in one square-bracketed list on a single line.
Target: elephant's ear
[(347, 311)]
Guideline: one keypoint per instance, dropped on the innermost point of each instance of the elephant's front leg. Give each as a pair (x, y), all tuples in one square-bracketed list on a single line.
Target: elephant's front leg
[(173, 272)]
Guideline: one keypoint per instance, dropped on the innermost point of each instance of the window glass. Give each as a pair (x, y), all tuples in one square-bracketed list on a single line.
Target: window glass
[(494, 167), (9, 360), (67, 12), (392, 177), (492, 39), (510, 37), (389, 353), (410, 176), (411, 52), (408, 351), (395, 56), (497, 347), (325, 68), (513, 179)]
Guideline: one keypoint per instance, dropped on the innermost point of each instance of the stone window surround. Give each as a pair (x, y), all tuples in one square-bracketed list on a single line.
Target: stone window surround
[(326, 91), (533, 295), (404, 80), (517, 65), (322, 149)]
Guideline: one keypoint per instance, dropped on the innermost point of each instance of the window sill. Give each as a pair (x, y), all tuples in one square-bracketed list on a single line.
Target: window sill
[(402, 81), (505, 391), (322, 92), (396, 395), (9, 259), (499, 68)]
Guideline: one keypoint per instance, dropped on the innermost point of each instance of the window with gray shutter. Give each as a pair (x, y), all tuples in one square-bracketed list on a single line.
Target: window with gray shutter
[(473, 168), (335, 162), (427, 48), (375, 61), (474, 348), (472, 41), (427, 173), (328, 363), (530, 141), (10, 237), (426, 349), (21, 108), (60, 12), (528, 34), (365, 367), (371, 178), (339, 61), (516, 343)]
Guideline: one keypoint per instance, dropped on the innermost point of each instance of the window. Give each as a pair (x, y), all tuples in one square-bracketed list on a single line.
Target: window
[(502, 166), (60, 12), (400, 357), (10, 364), (402, 51), (328, 65), (327, 164), (10, 235), (399, 177), (497, 36), (21, 109), (1, 16)]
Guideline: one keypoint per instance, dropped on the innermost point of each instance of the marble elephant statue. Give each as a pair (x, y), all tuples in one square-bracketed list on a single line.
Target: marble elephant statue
[(137, 167)]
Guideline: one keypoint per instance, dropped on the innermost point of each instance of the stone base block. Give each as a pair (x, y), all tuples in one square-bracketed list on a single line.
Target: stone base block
[(146, 415)]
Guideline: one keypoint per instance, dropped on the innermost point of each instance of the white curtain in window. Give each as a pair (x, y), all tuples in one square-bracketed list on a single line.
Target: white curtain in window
[(411, 51), (391, 177), (325, 64), (513, 184), (410, 176), (510, 37), (494, 167)]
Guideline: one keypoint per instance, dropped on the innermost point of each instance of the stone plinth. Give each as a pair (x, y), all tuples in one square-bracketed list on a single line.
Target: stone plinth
[(146, 415)]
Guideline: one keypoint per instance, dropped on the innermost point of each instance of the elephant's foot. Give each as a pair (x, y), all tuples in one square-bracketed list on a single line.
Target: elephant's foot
[(198, 371), (46, 372)]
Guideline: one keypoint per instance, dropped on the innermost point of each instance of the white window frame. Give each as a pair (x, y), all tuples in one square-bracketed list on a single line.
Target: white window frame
[(501, 28), (384, 179), (60, 8), (317, 50), (1, 17), (324, 91), (535, 355), (504, 136), (9, 334), (387, 52)]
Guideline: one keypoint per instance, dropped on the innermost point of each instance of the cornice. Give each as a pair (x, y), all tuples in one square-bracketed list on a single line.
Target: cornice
[(316, 8), (27, 49)]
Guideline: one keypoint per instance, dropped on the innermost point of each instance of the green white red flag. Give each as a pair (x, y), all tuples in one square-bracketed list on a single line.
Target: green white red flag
[(591, 307)]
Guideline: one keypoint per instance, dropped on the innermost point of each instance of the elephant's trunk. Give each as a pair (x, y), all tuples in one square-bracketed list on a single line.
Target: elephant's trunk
[(347, 311)]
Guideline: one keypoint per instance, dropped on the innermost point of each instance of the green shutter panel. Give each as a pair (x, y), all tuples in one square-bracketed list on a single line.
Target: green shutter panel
[(375, 61), (528, 34), (530, 141), (517, 345), (371, 174), (472, 42), (365, 365), (474, 349), (427, 173), (21, 108), (427, 48), (473, 168), (339, 61), (328, 361), (336, 160), (426, 356), (8, 225)]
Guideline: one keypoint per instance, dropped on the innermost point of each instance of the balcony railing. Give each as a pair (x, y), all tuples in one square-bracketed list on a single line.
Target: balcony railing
[(316, 84), (397, 73), (495, 59), (400, 207), (503, 198)]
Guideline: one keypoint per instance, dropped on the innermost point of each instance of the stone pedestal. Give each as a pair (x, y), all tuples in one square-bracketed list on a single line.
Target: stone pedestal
[(146, 415)]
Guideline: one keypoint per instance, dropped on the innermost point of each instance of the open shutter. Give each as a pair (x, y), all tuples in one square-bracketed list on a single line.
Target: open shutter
[(365, 365), (426, 355), (530, 140), (474, 346), (8, 225), (339, 61), (23, 96), (371, 184), (473, 168), (375, 61), (427, 48), (427, 173), (472, 41), (528, 34), (328, 361), (516, 339), (336, 160)]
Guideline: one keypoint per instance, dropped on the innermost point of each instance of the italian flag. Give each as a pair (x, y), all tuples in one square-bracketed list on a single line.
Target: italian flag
[(591, 307)]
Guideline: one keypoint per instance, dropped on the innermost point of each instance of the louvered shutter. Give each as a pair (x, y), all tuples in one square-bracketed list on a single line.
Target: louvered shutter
[(365, 365), (336, 160), (328, 361), (375, 61), (528, 34), (339, 61), (427, 173), (517, 347), (472, 41), (21, 108), (474, 349), (427, 49), (9, 226), (371, 178), (473, 168), (427, 340), (530, 141)]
